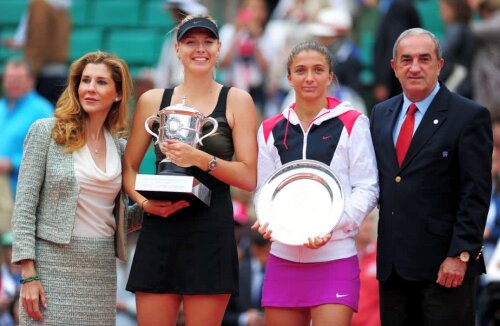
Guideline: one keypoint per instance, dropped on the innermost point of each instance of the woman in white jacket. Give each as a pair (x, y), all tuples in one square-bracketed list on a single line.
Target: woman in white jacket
[(324, 271)]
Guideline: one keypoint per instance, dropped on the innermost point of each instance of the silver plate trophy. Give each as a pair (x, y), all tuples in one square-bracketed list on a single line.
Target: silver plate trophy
[(182, 123), (302, 199)]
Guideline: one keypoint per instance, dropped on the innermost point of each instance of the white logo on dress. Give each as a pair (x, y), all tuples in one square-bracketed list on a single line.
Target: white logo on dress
[(340, 295)]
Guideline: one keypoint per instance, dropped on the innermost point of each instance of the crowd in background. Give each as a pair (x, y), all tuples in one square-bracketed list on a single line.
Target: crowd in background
[(255, 43)]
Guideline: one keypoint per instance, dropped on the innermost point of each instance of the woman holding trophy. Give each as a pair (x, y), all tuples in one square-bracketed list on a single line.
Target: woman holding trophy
[(323, 269), (186, 253), (69, 216)]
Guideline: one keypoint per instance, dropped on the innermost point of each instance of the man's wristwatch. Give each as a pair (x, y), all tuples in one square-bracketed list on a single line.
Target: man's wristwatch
[(212, 164), (464, 256)]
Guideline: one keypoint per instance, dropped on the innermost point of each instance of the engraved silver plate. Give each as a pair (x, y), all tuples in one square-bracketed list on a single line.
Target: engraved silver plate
[(301, 200)]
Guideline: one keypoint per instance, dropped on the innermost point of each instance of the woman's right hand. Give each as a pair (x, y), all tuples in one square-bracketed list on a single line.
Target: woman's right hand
[(32, 294), (163, 208)]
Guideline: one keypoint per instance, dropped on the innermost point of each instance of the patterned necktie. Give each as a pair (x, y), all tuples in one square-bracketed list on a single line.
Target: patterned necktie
[(405, 134)]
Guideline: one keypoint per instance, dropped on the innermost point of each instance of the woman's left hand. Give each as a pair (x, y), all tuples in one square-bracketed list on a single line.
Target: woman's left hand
[(163, 208), (179, 153), (318, 242), (263, 229)]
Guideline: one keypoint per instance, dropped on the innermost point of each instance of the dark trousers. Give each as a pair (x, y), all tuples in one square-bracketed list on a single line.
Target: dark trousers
[(51, 87), (426, 303)]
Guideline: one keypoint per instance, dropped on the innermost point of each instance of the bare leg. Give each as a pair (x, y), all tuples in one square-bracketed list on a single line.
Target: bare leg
[(287, 316), (204, 310), (157, 309), (324, 314)]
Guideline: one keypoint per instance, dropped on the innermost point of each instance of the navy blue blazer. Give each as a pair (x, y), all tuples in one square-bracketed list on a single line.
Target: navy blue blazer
[(435, 205)]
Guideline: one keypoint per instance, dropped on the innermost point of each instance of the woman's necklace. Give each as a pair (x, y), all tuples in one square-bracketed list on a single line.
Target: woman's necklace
[(94, 146), (95, 149)]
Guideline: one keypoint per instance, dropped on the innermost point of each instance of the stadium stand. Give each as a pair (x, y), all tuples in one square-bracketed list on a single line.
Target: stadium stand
[(132, 29)]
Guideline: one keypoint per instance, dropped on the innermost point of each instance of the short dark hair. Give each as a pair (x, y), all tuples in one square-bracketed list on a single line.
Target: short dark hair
[(17, 62)]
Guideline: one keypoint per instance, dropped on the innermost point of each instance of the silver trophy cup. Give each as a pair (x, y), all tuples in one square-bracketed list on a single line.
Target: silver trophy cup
[(171, 182), (181, 123)]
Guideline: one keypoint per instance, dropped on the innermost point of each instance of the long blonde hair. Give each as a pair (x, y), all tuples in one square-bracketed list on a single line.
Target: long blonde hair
[(70, 117)]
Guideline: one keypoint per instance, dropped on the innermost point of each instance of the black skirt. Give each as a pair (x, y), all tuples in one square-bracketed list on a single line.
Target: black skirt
[(190, 252)]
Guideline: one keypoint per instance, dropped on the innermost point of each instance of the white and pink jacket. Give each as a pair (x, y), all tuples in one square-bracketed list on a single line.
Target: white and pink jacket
[(339, 136)]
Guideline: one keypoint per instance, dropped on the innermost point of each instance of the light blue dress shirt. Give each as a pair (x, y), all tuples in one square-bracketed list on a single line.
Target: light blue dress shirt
[(15, 123), (422, 107)]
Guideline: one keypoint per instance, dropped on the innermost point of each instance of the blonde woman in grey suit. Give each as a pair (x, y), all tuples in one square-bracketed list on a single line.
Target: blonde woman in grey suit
[(69, 219)]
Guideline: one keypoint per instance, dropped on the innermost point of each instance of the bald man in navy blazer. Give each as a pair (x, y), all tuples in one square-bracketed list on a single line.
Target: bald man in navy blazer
[(434, 202)]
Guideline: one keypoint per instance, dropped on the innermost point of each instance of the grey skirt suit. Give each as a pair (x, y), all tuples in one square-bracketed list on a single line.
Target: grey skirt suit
[(78, 273)]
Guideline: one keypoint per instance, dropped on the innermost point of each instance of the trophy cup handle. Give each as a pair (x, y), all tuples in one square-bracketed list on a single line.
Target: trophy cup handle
[(214, 129), (146, 125)]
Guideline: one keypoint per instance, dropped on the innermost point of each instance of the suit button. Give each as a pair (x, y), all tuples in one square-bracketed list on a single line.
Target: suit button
[(397, 179)]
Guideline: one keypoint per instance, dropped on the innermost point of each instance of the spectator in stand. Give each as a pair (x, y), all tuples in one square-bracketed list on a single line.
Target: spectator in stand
[(488, 286), (283, 31), (169, 71), (241, 228), (10, 275), (492, 228), (246, 309), (486, 65), (366, 244), (474, 4), (301, 11), (495, 126), (17, 41), (46, 44), (126, 311), (458, 46), (244, 61), (20, 107), (332, 27), (395, 17)]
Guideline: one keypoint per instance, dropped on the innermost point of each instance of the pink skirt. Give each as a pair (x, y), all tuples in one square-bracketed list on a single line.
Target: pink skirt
[(293, 285)]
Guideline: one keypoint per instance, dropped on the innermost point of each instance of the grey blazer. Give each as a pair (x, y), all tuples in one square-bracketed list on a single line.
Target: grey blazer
[(47, 196)]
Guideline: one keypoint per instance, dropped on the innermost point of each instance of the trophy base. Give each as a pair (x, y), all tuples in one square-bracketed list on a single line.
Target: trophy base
[(173, 187), (169, 168)]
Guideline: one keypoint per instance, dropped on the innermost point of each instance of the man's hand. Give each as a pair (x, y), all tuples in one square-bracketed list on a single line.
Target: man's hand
[(451, 272)]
